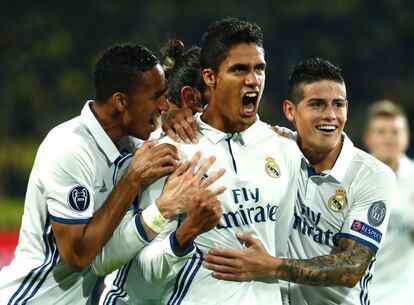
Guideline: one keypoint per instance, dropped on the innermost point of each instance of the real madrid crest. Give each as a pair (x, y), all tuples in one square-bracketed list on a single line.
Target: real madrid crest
[(271, 168), (338, 201)]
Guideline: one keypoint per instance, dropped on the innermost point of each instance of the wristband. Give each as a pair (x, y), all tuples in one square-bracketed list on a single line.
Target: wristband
[(153, 218)]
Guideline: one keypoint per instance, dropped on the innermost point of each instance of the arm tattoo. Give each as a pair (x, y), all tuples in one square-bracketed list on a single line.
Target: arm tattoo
[(343, 268)]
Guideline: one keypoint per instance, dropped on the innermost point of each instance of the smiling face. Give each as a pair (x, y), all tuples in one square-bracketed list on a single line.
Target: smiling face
[(145, 104), (320, 116), (236, 88)]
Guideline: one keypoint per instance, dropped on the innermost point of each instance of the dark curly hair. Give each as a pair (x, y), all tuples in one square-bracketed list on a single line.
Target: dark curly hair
[(182, 68), (310, 71), (120, 68), (222, 36)]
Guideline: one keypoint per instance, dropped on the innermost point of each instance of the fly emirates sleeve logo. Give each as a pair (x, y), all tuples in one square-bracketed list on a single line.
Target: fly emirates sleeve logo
[(247, 209), (307, 223)]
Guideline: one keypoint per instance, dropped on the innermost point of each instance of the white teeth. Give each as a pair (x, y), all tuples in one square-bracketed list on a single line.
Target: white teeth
[(326, 127), (251, 94)]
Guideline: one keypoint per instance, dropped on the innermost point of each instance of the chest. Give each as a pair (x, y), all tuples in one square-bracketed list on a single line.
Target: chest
[(322, 202)]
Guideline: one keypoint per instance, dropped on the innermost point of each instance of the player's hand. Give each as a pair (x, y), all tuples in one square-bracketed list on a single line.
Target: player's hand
[(151, 162), (185, 184), (252, 263), (179, 124), (285, 132), (204, 213)]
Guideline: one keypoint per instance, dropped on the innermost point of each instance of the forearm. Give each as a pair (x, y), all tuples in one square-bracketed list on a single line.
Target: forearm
[(158, 261), (127, 240), (82, 249), (327, 270)]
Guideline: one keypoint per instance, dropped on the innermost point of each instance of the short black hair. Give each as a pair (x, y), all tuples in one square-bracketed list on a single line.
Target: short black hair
[(182, 68), (120, 68), (310, 71), (222, 36)]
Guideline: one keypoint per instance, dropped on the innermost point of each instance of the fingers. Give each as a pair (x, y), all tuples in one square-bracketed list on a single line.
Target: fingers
[(217, 264), (163, 171), (227, 276), (193, 163), (216, 253), (247, 238), (170, 132), (146, 146), (192, 135), (204, 167), (164, 161), (179, 170), (218, 191), (182, 168), (196, 107), (190, 129), (181, 133), (212, 178), (163, 150)]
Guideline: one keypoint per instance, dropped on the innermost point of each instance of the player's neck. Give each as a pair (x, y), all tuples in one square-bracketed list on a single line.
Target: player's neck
[(108, 119), (322, 161)]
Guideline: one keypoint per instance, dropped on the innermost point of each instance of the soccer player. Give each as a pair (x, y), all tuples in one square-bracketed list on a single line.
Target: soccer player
[(386, 138), (72, 204), (262, 171), (185, 88), (342, 207)]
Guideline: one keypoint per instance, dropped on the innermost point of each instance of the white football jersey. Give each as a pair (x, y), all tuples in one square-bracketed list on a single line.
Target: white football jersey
[(262, 172), (73, 174), (393, 281), (352, 200)]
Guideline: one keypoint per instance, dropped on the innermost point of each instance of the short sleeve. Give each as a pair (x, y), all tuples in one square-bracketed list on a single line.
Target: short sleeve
[(66, 174), (367, 220)]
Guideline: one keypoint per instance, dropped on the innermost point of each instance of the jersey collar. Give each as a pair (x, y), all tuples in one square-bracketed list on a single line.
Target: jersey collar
[(99, 134), (215, 135), (344, 160)]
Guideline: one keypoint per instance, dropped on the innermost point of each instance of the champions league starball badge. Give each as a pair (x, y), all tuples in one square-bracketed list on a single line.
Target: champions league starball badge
[(79, 198), (271, 168), (338, 201), (376, 213)]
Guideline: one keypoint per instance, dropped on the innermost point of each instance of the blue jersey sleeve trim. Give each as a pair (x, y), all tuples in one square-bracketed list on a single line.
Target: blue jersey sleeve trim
[(140, 228), (359, 240), (185, 252), (77, 221)]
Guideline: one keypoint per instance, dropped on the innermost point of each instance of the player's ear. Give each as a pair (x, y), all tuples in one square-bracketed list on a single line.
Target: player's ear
[(120, 101), (209, 77), (188, 96), (289, 108)]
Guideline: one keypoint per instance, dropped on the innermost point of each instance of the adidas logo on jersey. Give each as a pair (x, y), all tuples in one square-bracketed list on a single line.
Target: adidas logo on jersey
[(103, 187)]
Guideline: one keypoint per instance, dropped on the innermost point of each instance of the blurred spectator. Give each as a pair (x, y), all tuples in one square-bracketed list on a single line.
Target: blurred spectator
[(386, 137)]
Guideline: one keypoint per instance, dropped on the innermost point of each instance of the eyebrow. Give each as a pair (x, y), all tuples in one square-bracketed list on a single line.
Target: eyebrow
[(323, 100), (261, 65)]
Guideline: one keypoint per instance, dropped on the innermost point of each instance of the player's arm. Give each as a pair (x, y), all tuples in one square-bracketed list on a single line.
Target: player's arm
[(163, 258), (79, 243), (343, 268), (137, 230)]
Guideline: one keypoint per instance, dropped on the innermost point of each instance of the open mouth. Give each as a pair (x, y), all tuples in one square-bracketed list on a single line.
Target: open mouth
[(249, 103), (326, 128)]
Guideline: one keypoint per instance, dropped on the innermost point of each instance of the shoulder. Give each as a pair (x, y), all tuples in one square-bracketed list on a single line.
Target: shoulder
[(368, 163), (68, 142), (369, 173)]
